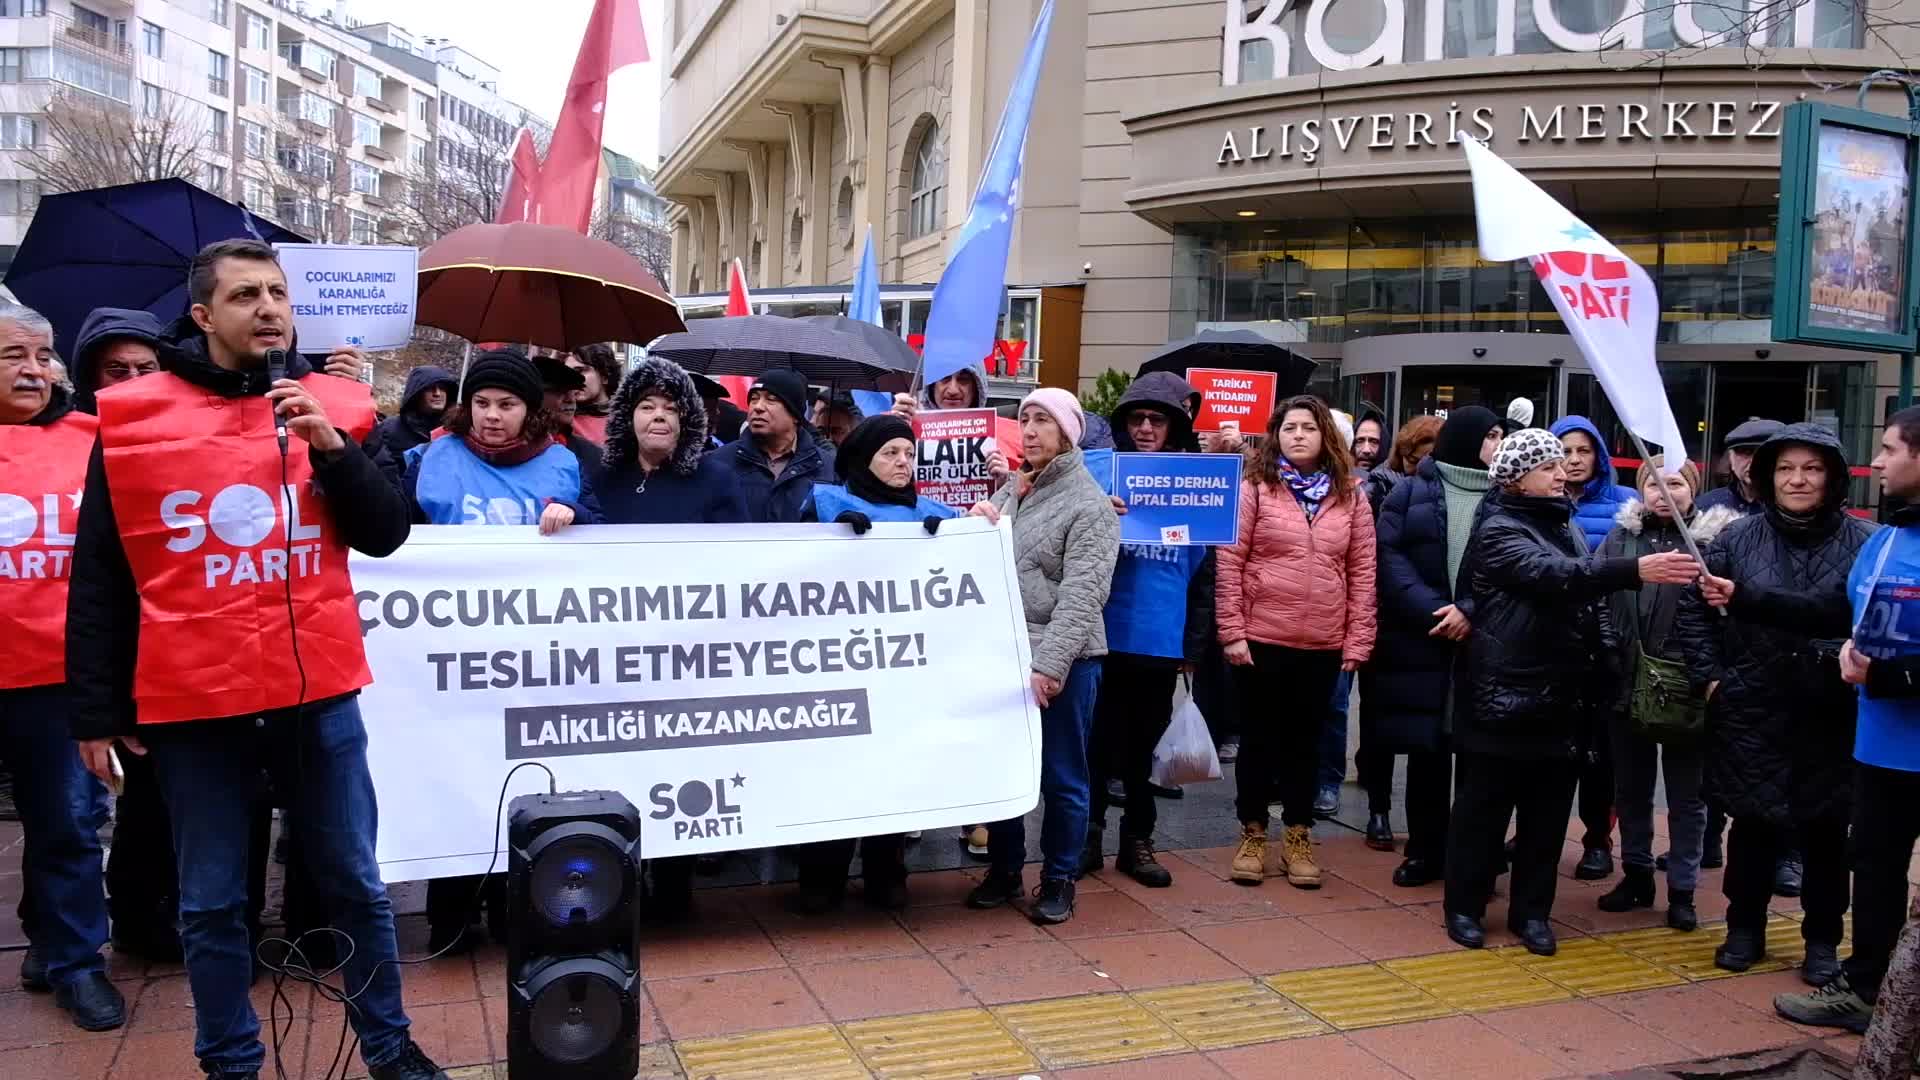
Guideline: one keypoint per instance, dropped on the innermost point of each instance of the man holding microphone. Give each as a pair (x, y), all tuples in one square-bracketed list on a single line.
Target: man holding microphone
[(212, 613)]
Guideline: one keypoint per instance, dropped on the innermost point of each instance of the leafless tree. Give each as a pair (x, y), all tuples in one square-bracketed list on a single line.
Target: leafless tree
[(87, 141), (1759, 29), (306, 165)]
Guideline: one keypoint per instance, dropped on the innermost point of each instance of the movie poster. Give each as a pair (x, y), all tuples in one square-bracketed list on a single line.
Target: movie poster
[(1857, 252)]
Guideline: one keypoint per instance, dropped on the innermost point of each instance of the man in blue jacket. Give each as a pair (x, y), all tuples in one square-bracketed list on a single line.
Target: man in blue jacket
[(1159, 618), (1883, 659), (778, 457)]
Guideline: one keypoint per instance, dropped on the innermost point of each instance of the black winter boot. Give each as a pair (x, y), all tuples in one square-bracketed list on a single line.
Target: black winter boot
[(1634, 891), (1680, 913)]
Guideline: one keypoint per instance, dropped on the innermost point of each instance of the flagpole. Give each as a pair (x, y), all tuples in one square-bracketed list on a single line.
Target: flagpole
[(1686, 536)]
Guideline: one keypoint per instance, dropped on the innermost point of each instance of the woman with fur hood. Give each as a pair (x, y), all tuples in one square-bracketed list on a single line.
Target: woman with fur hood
[(1643, 620), (657, 472), (657, 469)]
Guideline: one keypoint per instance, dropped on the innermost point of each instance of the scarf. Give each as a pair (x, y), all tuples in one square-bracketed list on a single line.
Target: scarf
[(867, 486), (1310, 490), (517, 452), (1463, 488)]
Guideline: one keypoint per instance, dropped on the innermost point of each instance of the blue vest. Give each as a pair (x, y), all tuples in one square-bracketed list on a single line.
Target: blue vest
[(832, 500), (1885, 589), (455, 487), (1147, 610)]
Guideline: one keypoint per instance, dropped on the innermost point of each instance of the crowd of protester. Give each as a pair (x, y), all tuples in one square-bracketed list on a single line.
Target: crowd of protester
[(1533, 637)]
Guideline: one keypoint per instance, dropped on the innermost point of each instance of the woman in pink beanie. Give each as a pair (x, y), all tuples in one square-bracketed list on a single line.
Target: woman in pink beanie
[(1065, 540)]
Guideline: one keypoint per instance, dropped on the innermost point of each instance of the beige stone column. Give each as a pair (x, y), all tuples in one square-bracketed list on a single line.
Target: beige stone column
[(870, 187)]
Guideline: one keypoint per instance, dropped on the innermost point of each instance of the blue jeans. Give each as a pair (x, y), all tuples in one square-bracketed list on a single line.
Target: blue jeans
[(64, 883), (1333, 734), (208, 774), (1065, 727)]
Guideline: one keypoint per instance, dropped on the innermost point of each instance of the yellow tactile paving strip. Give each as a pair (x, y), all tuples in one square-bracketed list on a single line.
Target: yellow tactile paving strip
[(1218, 1016), (1010, 1040), (1364, 995), (1476, 981), (939, 1046), (1089, 1030)]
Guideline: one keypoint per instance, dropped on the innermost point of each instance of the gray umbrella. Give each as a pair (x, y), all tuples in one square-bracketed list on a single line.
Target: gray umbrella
[(751, 344)]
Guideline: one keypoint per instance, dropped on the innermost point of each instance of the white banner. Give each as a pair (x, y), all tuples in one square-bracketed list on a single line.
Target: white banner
[(351, 294), (744, 686)]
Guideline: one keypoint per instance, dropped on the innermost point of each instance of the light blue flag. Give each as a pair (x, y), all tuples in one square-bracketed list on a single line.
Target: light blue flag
[(872, 402), (965, 318), (865, 303)]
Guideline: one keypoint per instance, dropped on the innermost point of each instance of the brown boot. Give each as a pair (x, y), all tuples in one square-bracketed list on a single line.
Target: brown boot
[(1296, 849), (1250, 862)]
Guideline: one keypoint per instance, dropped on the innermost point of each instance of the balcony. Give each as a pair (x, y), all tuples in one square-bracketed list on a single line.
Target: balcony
[(95, 41), (217, 86)]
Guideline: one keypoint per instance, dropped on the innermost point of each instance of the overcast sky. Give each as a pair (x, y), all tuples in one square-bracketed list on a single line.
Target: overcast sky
[(533, 44)]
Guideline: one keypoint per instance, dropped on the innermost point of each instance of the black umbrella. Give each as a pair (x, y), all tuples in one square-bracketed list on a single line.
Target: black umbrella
[(127, 246), (1236, 350), (751, 344), (886, 345)]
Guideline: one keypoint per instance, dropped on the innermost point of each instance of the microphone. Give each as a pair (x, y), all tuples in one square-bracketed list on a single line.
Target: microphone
[(277, 370)]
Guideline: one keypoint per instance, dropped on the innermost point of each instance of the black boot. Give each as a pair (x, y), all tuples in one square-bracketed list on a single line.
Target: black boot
[(1379, 832), (1680, 913), (1595, 865), (1091, 860), (1634, 891), (1786, 876), (1743, 949), (996, 890), (1137, 862)]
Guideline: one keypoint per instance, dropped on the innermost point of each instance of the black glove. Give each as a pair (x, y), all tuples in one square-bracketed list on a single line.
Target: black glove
[(860, 522), (932, 524)]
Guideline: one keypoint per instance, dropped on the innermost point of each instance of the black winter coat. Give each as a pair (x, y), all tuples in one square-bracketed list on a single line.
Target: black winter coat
[(1540, 660), (1404, 692), (1780, 728)]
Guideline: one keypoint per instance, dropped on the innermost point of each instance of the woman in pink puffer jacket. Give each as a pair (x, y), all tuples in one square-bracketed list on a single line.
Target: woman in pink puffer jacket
[(1295, 602)]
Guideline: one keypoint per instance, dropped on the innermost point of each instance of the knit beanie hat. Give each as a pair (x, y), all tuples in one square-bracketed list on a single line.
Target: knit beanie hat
[(1651, 468), (1462, 434), (1064, 408), (1522, 452), (504, 369), (866, 439), (789, 386)]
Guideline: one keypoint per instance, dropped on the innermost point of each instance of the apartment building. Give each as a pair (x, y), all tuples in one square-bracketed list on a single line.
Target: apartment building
[(295, 109)]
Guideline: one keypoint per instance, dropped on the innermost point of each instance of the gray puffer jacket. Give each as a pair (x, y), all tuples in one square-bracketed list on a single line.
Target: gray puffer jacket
[(1065, 540)]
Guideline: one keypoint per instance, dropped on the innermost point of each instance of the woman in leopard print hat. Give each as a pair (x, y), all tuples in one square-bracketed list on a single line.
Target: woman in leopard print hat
[(1536, 683)]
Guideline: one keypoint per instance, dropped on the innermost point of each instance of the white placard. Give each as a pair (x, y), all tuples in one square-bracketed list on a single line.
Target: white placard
[(351, 294), (743, 685)]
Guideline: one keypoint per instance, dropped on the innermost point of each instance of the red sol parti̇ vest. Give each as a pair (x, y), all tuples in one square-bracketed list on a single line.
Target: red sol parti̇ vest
[(213, 540), (43, 469)]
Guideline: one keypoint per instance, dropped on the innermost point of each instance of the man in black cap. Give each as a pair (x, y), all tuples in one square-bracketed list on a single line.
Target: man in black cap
[(1741, 442), (778, 457), (724, 418), (562, 386)]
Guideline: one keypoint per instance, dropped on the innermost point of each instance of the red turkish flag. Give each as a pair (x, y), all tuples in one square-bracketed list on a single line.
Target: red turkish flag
[(615, 39), (739, 300), (523, 182)]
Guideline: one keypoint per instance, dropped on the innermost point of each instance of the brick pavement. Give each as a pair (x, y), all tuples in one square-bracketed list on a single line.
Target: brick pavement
[(1354, 980)]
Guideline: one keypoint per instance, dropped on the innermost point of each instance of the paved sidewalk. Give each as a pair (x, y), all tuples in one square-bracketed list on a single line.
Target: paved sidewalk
[(1205, 979)]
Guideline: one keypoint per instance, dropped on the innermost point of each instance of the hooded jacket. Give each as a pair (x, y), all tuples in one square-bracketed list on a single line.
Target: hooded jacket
[(1600, 498), (1646, 617), (1539, 658), (1780, 728), (104, 325), (782, 498), (402, 432), (977, 373), (693, 487), (1065, 540), (103, 604), (1152, 583)]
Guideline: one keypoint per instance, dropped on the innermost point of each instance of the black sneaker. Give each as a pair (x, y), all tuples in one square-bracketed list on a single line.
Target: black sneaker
[(1326, 803), (996, 890), (1787, 874), (412, 1064), (33, 972), (93, 1001), (1053, 902)]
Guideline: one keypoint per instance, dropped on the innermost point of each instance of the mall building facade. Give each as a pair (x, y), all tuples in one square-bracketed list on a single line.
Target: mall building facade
[(1287, 166)]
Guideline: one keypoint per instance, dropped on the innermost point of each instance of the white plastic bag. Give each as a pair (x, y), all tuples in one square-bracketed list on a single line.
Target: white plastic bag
[(1185, 754)]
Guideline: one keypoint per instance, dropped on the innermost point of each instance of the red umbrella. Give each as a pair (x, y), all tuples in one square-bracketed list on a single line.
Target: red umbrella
[(541, 285)]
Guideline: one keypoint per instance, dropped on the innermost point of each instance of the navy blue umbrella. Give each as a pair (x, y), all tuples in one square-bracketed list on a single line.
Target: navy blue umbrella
[(127, 246)]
